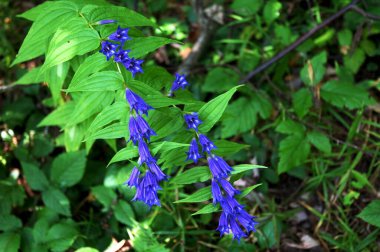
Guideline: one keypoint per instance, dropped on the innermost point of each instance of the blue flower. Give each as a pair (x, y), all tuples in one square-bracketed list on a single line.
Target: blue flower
[(218, 167), (236, 231), (108, 49), (146, 191), (121, 55), (120, 35), (136, 102), (144, 128), (193, 153), (133, 65), (192, 121), (223, 226), (155, 169), (179, 82), (133, 178), (228, 188), (246, 220), (231, 205), (134, 133), (106, 21), (207, 144), (145, 156), (216, 193)]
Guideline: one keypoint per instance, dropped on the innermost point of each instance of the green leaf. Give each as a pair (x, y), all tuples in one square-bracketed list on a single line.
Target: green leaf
[(355, 60), (239, 120), (211, 112), (33, 13), (320, 141), (104, 195), (209, 208), (76, 38), (246, 7), (142, 46), (343, 94), (86, 249), (314, 71), (61, 236), (89, 104), (371, 213), (294, 151), (124, 16), (199, 196), (345, 37), (262, 104), (9, 242), (272, 11), (302, 102), (101, 81), (247, 190), (124, 213), (166, 146), (220, 79), (55, 15), (57, 201), (68, 168), (61, 116), (245, 167), (156, 77), (290, 127), (225, 147), (193, 175), (35, 178), (55, 78), (31, 77), (126, 153), (113, 131), (92, 64), (114, 112), (9, 222)]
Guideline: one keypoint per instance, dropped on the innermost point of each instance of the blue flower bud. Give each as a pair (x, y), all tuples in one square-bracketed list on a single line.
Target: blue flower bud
[(207, 144), (136, 102), (193, 153)]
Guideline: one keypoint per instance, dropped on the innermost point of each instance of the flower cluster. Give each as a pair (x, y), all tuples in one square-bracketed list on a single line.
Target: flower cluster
[(113, 49), (147, 184), (234, 219)]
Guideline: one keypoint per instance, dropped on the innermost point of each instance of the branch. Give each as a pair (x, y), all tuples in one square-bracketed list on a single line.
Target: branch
[(208, 27), (303, 38)]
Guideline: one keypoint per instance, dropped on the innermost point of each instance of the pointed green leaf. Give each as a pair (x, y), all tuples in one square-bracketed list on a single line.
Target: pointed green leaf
[(35, 178), (199, 196), (126, 153), (193, 175), (211, 112), (142, 46), (294, 151), (57, 201), (320, 141), (209, 208), (302, 102), (371, 213)]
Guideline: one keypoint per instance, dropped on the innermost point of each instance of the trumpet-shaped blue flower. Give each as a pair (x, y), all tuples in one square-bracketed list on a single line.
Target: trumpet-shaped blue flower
[(218, 167), (133, 65), (147, 189), (230, 205), (155, 169), (144, 128), (120, 35), (216, 193), (106, 21), (207, 144), (145, 156), (223, 226), (192, 121), (246, 220), (228, 188), (121, 55), (108, 49), (193, 153), (236, 230), (136, 102), (133, 178), (179, 82)]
